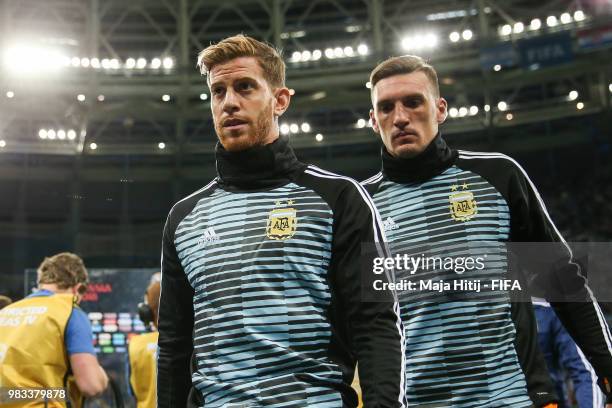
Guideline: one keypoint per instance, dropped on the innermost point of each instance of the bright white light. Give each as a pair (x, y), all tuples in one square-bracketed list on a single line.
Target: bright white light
[(497, 67), (306, 55), (130, 63), (509, 116), (141, 63), (454, 36), (294, 128), (156, 63), (296, 56), (114, 63), (100, 98), (361, 123), (81, 97), (551, 21), (573, 95), (27, 59), (165, 97), (319, 137), (610, 87), (10, 94), (71, 134), (75, 62), (2, 143), (418, 42), (316, 55), (51, 134), (161, 145), (487, 108), (463, 111), (61, 134), (453, 112), (579, 105), (535, 24), (168, 63), (506, 29), (284, 129), (362, 49), (502, 106), (66, 61), (85, 62), (566, 18), (93, 146), (203, 96), (579, 15), (106, 64), (305, 127), (338, 52), (473, 110), (95, 63), (369, 85), (348, 51), (329, 53), (467, 35), (291, 91), (518, 28), (42, 133)]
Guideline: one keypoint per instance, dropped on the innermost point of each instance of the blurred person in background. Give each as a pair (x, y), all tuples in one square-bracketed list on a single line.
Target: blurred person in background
[(5, 301), (46, 339), (142, 350)]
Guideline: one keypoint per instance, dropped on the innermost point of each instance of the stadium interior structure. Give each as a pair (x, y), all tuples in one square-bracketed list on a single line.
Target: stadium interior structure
[(105, 121)]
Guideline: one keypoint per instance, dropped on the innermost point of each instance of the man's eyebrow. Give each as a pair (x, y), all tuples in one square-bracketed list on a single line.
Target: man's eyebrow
[(239, 79), (413, 95)]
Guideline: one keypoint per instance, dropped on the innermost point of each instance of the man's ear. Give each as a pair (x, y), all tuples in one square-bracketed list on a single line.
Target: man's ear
[(374, 123), (441, 110), (282, 98)]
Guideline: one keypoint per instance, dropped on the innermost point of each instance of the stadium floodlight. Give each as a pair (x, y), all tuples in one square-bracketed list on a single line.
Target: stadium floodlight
[(518, 27), (61, 134), (141, 63), (463, 111), (81, 98), (579, 15), (165, 97), (329, 53), (420, 41), (506, 29), (369, 85), (467, 35), (361, 123), (95, 63), (161, 145), (25, 59), (316, 55), (284, 129), (579, 105), (473, 110), (294, 128), (362, 49), (509, 116), (348, 51), (101, 98), (10, 94), (296, 56), (454, 36), (130, 63), (42, 133), (93, 145), (551, 21), (535, 24), (573, 95), (565, 18), (75, 62), (85, 62), (203, 96), (156, 63), (610, 87), (2, 143), (453, 112), (497, 67), (51, 134), (502, 106), (168, 63), (487, 108), (106, 64), (71, 134), (338, 52), (319, 137), (306, 55), (305, 127), (291, 91), (114, 63)]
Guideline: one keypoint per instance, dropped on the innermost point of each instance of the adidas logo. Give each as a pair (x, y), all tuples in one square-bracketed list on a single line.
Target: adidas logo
[(389, 224), (208, 237)]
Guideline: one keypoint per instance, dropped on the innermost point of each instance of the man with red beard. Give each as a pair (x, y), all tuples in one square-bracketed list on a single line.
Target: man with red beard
[(261, 289)]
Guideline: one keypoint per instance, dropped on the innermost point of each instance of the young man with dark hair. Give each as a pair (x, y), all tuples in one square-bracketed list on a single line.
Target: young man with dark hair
[(466, 352), (261, 285)]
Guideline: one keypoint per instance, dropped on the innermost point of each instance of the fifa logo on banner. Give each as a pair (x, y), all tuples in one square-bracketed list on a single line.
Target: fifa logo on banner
[(282, 223), (462, 204)]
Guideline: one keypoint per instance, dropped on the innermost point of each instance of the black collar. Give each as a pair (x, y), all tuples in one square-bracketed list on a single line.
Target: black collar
[(257, 168), (436, 158)]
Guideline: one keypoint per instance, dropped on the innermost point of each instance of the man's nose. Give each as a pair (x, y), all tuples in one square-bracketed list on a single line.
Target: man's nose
[(230, 102), (401, 116)]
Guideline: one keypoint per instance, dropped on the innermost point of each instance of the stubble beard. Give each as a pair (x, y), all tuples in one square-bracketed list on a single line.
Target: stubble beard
[(261, 129)]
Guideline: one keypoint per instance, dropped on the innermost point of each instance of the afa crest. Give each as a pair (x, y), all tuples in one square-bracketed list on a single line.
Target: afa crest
[(463, 205), (282, 223)]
